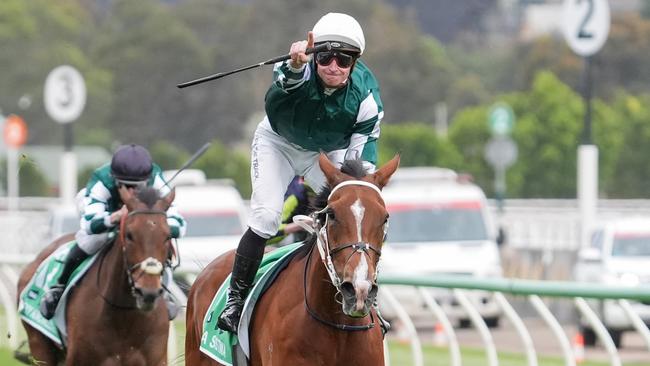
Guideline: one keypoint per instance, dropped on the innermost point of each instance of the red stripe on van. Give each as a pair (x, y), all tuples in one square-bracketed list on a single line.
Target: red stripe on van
[(458, 205)]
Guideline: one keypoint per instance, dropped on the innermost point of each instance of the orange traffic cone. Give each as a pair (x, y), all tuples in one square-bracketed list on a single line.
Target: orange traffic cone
[(579, 347), (439, 336)]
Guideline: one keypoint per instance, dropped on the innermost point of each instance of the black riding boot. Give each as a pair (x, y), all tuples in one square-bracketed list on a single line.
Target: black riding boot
[(247, 261), (51, 298)]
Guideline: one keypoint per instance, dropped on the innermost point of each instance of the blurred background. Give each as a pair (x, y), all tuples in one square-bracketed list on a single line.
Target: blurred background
[(488, 89), (441, 64)]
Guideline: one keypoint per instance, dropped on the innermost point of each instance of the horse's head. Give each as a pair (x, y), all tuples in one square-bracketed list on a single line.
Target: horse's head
[(351, 230), (145, 242)]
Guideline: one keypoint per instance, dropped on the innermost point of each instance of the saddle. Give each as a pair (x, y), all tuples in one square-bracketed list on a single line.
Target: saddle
[(234, 349), (45, 276)]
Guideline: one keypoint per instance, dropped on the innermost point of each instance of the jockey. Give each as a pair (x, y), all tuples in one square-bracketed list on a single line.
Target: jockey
[(329, 103), (101, 209)]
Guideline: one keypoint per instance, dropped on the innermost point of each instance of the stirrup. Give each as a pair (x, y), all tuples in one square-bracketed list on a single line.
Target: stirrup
[(229, 318), (50, 301)]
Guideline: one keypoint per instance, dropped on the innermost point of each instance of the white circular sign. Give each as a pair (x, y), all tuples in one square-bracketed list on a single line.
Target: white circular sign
[(586, 25), (65, 94)]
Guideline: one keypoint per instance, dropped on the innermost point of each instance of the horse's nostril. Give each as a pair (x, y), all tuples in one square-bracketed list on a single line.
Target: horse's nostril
[(373, 291), (347, 289)]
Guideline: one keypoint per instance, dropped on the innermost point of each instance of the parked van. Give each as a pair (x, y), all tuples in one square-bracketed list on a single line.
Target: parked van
[(617, 254), (440, 223), (216, 219)]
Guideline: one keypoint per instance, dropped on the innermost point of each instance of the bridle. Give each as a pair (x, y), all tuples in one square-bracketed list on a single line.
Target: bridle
[(150, 265), (313, 225), (322, 241)]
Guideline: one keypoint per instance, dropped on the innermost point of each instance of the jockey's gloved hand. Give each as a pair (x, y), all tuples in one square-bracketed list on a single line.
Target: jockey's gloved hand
[(117, 215)]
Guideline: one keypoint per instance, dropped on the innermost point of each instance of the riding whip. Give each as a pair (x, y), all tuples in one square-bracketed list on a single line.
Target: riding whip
[(322, 47), (191, 160)]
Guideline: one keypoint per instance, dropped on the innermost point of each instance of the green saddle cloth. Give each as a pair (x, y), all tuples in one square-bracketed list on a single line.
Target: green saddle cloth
[(45, 276), (218, 343)]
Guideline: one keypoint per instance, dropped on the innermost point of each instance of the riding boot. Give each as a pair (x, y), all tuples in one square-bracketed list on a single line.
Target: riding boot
[(241, 281), (51, 298)]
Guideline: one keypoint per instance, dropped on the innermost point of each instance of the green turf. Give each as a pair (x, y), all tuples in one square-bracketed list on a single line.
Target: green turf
[(400, 355), (7, 358)]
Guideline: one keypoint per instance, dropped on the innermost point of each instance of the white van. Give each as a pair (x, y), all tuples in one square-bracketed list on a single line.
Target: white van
[(617, 254), (440, 223), (216, 219)]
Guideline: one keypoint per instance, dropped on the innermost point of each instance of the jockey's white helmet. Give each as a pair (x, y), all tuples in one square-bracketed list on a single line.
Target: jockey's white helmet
[(338, 27)]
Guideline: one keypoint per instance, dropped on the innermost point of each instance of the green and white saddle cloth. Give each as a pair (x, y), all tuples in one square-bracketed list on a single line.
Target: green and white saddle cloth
[(219, 344), (45, 276)]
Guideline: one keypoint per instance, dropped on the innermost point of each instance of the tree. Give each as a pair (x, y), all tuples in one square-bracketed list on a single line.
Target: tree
[(167, 155), (418, 145), (35, 37), (548, 131), (632, 171), (220, 162)]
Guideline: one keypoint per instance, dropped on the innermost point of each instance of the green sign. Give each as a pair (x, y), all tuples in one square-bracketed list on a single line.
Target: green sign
[(501, 119)]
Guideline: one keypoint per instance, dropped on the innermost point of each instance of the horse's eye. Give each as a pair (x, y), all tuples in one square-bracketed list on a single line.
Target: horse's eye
[(331, 215), (387, 217), (129, 236)]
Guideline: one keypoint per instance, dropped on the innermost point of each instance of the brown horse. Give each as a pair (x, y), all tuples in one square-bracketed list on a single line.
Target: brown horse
[(115, 315), (319, 309)]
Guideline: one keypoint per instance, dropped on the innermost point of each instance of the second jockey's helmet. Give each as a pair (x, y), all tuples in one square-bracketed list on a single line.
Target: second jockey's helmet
[(131, 165)]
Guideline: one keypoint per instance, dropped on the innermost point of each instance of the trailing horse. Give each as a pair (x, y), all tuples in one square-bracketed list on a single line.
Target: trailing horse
[(115, 313), (319, 310)]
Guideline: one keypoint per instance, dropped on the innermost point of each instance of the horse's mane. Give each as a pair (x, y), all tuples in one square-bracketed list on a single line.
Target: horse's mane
[(149, 196), (353, 168)]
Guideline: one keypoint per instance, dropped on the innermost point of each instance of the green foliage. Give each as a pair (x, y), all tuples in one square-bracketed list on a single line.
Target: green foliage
[(418, 144), (221, 162), (83, 176), (469, 133), (632, 171), (32, 180), (547, 130), (168, 155)]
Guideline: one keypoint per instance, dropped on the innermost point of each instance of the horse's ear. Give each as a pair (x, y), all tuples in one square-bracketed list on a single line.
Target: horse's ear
[(332, 174), (384, 173), (127, 197), (168, 199)]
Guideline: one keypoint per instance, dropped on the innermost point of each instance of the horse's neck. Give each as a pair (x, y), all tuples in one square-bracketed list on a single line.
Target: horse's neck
[(321, 293), (113, 282)]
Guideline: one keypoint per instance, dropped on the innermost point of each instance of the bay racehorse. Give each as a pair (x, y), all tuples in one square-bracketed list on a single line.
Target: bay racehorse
[(319, 310), (115, 315)]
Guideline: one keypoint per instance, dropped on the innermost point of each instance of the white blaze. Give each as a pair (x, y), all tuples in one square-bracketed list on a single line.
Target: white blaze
[(358, 210), (360, 280)]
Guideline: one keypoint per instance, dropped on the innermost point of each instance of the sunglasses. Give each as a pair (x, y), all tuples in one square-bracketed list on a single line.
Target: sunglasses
[(343, 59), (132, 184)]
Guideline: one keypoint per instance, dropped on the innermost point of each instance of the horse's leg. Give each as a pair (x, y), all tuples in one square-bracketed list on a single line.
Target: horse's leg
[(42, 349), (192, 336), (198, 301)]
